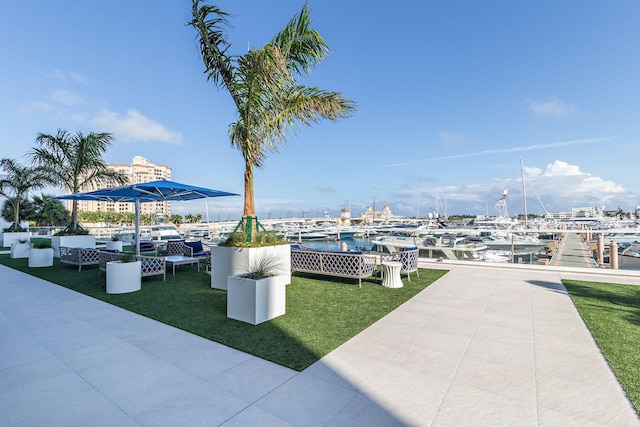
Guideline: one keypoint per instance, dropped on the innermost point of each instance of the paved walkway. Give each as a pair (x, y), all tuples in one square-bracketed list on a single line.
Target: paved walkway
[(483, 346), (573, 252)]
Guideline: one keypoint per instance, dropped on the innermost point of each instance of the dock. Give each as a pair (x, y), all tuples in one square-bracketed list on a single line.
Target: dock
[(573, 252)]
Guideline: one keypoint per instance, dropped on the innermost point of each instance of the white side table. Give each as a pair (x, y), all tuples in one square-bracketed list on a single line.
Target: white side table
[(174, 260), (391, 274)]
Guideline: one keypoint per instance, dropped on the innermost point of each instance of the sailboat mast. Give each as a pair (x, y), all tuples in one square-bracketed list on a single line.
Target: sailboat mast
[(524, 192)]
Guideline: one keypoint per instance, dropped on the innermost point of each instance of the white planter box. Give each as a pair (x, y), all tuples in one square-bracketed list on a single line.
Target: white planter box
[(40, 257), (85, 241), (8, 238), (123, 277), (114, 246), (255, 301), (20, 250), (230, 261)]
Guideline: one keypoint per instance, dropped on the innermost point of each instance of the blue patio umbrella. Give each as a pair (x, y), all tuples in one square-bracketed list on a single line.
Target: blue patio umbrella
[(153, 191)]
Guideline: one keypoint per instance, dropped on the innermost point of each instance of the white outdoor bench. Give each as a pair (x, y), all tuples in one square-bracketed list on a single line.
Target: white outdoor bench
[(355, 265)]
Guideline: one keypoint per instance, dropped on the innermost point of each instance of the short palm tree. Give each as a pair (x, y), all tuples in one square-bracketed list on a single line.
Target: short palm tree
[(75, 164), (46, 210), (17, 183), (263, 84)]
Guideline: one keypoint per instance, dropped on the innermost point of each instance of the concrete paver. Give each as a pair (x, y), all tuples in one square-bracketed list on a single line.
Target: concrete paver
[(484, 345)]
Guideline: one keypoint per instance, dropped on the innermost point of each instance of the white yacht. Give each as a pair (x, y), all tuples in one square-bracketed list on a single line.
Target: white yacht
[(431, 245)]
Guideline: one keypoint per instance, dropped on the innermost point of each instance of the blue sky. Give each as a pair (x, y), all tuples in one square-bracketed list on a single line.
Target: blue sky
[(451, 95)]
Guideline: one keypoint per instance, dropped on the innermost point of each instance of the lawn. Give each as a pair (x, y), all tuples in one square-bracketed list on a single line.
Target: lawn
[(322, 312), (612, 313)]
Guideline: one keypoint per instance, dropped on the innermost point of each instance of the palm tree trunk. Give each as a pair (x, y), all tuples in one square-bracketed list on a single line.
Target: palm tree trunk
[(248, 217), (249, 204)]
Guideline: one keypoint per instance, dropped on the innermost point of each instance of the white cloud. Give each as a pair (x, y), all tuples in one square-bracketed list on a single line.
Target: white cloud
[(560, 168), (560, 187), (553, 107), (531, 172), (133, 126), (65, 97), (507, 150), (450, 136), (62, 76)]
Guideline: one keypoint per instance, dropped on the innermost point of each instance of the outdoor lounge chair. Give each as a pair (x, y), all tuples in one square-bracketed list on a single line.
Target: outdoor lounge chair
[(173, 247), (409, 259)]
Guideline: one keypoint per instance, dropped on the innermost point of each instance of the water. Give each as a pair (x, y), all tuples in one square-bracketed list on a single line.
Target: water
[(335, 245)]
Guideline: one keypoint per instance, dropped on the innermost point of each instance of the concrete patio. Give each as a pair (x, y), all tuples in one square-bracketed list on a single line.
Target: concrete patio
[(484, 345)]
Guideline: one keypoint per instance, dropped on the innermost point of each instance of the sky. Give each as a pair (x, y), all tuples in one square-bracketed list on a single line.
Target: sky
[(452, 97)]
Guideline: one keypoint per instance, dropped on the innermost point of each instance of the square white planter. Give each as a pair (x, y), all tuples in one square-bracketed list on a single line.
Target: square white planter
[(8, 238), (40, 257), (114, 245), (83, 241), (20, 250), (231, 261), (255, 301), (123, 277)]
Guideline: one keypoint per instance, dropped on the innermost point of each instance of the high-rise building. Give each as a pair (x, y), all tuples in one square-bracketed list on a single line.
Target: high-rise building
[(140, 170)]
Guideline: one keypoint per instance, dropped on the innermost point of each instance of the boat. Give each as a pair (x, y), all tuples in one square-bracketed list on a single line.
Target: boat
[(160, 232), (430, 244), (516, 242), (629, 256)]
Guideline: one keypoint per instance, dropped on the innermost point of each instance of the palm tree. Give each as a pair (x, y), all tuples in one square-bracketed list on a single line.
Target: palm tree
[(75, 163), (46, 210), (17, 183), (263, 84)]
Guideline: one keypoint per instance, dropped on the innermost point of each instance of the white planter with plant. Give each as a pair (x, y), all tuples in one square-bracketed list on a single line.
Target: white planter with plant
[(259, 294), (115, 244), (230, 261), (20, 249), (77, 241), (40, 255), (123, 276), (11, 237)]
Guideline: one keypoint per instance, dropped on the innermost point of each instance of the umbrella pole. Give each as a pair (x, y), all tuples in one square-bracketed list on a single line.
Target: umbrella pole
[(137, 230)]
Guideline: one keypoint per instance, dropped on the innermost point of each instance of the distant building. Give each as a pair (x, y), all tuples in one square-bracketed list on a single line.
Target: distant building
[(576, 214), (140, 170), (370, 215)]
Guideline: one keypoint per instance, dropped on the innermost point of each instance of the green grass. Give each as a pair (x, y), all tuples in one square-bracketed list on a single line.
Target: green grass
[(612, 313), (322, 313)]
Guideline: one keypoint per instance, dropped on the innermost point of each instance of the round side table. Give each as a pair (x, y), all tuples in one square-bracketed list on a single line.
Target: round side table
[(391, 274)]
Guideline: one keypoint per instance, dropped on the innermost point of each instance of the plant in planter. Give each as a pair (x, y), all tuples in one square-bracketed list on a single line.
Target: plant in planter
[(263, 83), (258, 294), (21, 248), (124, 275), (115, 244), (41, 254), (234, 255)]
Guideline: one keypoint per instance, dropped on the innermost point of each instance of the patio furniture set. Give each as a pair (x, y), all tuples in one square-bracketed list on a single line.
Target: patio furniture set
[(348, 264), (356, 264), (175, 253)]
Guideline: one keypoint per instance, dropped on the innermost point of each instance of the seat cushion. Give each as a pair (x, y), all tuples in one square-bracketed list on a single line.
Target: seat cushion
[(196, 246)]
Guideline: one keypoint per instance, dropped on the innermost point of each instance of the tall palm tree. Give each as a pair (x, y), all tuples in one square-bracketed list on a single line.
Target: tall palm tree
[(75, 163), (263, 84), (17, 183)]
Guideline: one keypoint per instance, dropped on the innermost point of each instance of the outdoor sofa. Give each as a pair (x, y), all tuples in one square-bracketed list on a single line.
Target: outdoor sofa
[(79, 256), (350, 264)]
